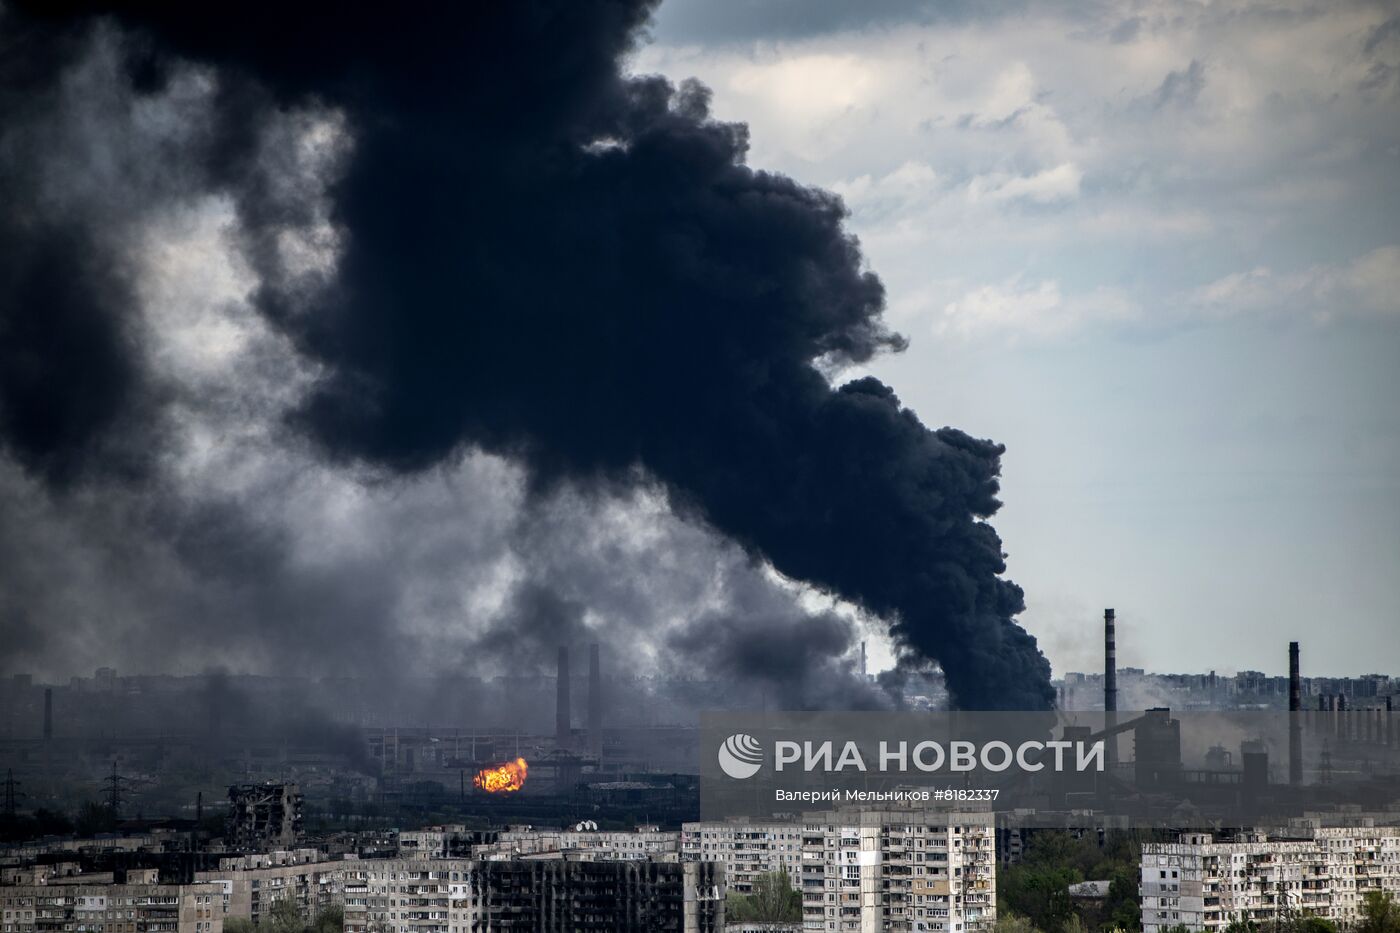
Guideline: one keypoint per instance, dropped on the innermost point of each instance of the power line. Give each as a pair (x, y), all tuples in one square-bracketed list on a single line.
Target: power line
[(116, 785), (11, 793)]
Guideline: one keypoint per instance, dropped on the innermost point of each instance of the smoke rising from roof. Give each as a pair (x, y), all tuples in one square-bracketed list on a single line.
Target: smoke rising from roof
[(522, 251)]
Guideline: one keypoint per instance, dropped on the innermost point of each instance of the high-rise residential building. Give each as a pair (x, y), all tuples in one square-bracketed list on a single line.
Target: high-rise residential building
[(249, 885), (1206, 884), (745, 849), (558, 893), (139, 907), (898, 871), (645, 842)]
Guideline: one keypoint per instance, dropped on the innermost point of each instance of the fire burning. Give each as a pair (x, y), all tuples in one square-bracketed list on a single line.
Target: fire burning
[(502, 778)]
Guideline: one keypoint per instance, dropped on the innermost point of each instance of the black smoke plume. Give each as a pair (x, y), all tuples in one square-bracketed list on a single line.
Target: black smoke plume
[(550, 260)]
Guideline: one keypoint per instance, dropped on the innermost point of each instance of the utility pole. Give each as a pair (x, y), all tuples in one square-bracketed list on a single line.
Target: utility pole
[(115, 783), (11, 795)]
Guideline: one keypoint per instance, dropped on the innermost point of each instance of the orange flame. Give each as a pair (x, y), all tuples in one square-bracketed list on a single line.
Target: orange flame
[(502, 778)]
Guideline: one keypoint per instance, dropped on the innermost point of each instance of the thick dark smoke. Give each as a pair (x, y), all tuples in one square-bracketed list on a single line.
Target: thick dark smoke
[(233, 713), (550, 261), (67, 373)]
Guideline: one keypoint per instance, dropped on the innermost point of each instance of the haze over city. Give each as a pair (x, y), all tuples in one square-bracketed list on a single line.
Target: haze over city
[(700, 466)]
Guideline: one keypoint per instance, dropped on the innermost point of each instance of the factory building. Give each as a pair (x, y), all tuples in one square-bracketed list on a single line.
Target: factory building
[(559, 892), (899, 871), (1206, 884)]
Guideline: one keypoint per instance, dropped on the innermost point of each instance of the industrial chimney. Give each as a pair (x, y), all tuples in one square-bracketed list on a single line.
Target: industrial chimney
[(48, 713), (562, 717), (1110, 664), (1110, 682), (595, 703), (1295, 717)]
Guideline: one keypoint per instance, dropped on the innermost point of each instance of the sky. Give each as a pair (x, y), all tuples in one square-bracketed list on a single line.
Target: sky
[(1152, 248), (330, 373)]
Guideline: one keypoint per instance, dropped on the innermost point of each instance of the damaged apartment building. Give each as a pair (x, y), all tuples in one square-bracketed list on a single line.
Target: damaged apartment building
[(553, 893), (263, 816), (1203, 883)]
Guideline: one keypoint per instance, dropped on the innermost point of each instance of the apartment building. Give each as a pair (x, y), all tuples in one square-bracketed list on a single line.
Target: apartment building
[(898, 871), (139, 907), (264, 816), (1205, 884), (745, 849), (551, 893), (646, 842), (247, 886)]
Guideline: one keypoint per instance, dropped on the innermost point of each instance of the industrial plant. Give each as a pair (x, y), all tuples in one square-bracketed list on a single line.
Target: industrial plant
[(593, 824)]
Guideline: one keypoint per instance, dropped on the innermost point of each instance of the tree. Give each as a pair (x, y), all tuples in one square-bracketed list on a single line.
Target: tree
[(330, 920), (1311, 924), (1057, 848), (1123, 909), (773, 901), (238, 925), (285, 917), (1379, 913), (1039, 892), (1008, 922), (51, 823), (95, 818)]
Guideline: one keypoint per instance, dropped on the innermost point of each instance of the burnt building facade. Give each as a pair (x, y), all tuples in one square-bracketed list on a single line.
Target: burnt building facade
[(562, 892), (264, 816)]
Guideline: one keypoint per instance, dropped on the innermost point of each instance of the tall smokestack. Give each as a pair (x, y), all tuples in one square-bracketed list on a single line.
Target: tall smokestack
[(1110, 663), (1295, 714), (562, 716), (595, 702), (863, 668), (1110, 682), (48, 713)]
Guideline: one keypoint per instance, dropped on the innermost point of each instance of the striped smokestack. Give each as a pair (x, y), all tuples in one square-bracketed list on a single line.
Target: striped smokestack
[(562, 715), (1295, 714)]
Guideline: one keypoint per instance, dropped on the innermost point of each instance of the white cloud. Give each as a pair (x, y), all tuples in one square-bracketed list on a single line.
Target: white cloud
[(1015, 308), (1202, 131), (809, 87), (1060, 183), (1368, 284)]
